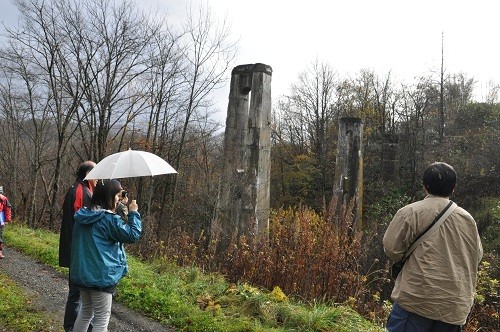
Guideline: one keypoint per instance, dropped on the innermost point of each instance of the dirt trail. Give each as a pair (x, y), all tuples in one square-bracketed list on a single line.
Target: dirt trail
[(49, 289)]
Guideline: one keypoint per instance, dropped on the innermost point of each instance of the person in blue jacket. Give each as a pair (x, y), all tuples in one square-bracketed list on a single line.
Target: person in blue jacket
[(98, 259)]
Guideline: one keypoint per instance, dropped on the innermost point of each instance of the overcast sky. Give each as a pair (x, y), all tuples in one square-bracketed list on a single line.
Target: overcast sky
[(400, 36)]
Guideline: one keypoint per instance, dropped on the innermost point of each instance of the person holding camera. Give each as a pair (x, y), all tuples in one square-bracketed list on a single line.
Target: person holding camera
[(435, 289), (98, 260)]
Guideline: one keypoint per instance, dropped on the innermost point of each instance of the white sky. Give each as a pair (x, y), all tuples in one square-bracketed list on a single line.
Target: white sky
[(400, 36), (397, 35)]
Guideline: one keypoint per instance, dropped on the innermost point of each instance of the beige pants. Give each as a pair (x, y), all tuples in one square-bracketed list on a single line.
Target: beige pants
[(95, 304)]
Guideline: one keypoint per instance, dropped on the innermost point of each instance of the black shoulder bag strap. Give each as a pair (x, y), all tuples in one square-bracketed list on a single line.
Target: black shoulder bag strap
[(440, 218)]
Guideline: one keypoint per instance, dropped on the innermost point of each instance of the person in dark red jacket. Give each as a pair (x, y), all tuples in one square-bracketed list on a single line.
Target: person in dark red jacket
[(79, 195), (5, 210)]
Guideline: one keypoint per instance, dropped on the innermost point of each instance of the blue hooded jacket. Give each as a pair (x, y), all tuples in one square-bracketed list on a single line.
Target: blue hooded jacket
[(98, 258)]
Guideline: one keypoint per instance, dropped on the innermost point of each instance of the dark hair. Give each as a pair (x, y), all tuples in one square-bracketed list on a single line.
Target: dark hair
[(83, 169), (104, 194), (439, 179)]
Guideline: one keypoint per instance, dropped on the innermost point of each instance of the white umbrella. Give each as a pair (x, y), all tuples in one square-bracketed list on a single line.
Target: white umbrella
[(128, 164)]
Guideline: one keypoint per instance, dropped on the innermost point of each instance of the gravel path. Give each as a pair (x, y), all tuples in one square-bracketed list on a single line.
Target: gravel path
[(49, 289)]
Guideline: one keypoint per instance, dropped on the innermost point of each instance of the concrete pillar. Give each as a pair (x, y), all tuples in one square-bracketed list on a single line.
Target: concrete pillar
[(243, 203), (348, 182), (390, 160)]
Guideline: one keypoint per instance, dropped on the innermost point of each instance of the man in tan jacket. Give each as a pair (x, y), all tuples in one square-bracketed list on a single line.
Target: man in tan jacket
[(435, 289)]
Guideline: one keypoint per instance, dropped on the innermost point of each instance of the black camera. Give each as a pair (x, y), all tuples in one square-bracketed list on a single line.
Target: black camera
[(124, 194)]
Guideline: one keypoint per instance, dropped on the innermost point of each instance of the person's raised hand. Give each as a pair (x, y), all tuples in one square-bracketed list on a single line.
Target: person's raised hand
[(133, 206)]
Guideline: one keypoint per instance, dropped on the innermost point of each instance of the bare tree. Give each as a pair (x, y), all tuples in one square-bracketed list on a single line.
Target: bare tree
[(208, 54), (413, 112), (492, 95), (45, 46), (379, 116), (290, 126), (458, 93), (115, 37), (163, 90), (314, 96), (12, 166), (27, 107), (100, 75)]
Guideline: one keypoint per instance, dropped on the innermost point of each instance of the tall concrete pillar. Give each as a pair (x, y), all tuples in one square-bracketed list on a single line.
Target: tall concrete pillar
[(243, 202), (348, 182)]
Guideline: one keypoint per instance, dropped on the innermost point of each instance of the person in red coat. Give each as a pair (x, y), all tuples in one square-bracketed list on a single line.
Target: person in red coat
[(79, 195), (5, 217)]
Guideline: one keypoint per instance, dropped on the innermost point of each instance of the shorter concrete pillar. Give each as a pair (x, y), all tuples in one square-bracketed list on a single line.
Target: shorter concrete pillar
[(348, 182), (390, 160)]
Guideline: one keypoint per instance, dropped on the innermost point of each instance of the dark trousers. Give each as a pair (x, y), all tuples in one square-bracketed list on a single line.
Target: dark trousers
[(73, 304), (401, 320)]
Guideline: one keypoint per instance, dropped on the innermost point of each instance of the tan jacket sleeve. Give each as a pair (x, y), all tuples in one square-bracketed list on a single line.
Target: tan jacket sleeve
[(396, 236)]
